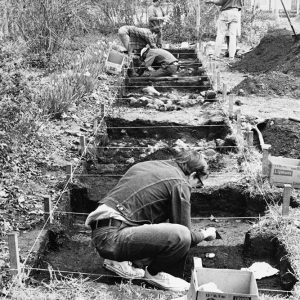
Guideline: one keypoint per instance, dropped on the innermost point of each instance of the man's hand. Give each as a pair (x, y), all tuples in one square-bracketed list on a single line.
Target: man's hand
[(209, 233), (166, 19)]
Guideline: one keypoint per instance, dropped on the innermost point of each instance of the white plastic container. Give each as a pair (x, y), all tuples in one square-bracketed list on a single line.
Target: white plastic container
[(114, 62)]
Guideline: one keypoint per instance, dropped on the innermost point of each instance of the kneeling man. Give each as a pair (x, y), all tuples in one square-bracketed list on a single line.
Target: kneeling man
[(157, 62)]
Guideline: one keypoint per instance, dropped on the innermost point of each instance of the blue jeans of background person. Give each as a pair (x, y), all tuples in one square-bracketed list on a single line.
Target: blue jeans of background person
[(164, 71), (166, 245)]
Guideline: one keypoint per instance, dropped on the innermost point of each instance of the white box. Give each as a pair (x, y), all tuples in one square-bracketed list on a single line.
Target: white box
[(284, 171), (114, 62), (234, 284)]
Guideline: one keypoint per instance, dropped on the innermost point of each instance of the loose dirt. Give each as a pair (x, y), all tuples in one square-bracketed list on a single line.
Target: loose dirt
[(283, 135), (278, 57)]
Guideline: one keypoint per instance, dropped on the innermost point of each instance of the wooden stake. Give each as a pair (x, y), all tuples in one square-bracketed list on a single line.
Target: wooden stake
[(214, 76), (82, 145), (14, 257), (249, 138), (102, 110), (224, 91), (209, 65), (48, 214), (202, 48), (214, 67), (287, 192), (230, 107), (95, 126), (265, 160), (198, 18), (69, 170), (238, 121), (218, 85)]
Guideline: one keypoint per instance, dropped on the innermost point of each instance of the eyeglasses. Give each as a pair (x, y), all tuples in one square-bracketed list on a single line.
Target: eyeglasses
[(201, 176)]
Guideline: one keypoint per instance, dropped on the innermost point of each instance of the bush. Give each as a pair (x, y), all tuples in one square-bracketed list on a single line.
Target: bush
[(183, 25), (79, 81), (255, 26), (44, 25)]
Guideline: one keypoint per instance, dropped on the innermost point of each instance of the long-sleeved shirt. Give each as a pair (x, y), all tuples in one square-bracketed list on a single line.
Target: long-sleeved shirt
[(140, 37), (156, 57), (152, 192)]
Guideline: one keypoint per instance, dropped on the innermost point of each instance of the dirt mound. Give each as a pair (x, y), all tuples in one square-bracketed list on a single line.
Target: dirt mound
[(276, 50), (272, 83), (283, 135)]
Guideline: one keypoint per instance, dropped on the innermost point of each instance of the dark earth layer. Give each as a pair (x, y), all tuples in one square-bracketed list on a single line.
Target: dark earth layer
[(283, 135), (70, 251)]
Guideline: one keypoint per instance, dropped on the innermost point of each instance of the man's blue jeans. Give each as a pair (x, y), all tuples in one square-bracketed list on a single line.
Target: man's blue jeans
[(165, 244)]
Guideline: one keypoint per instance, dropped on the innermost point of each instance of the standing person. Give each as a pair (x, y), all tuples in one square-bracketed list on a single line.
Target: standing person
[(147, 216), (135, 39), (162, 62), (157, 18), (228, 20), (238, 35)]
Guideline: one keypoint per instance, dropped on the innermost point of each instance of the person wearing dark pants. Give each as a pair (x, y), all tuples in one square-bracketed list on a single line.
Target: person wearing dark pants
[(147, 217), (158, 63)]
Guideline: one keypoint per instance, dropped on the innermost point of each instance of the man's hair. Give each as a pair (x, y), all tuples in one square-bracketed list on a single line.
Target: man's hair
[(155, 29), (192, 161), (155, 1)]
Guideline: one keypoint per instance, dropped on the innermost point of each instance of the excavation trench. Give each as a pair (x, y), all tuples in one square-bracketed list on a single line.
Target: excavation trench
[(144, 133)]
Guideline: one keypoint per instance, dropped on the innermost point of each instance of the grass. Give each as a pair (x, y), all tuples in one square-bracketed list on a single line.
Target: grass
[(287, 231), (74, 288)]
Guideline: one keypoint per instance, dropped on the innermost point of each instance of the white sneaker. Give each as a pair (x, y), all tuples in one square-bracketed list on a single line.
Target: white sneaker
[(123, 269), (167, 282)]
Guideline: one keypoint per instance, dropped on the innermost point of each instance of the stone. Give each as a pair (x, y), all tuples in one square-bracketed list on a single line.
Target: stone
[(241, 92), (210, 152)]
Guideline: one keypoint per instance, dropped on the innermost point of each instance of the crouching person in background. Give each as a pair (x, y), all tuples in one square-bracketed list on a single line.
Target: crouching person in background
[(157, 63)]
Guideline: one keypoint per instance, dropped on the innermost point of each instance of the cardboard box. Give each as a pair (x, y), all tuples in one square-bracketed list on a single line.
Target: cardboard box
[(284, 171), (233, 284), (114, 62)]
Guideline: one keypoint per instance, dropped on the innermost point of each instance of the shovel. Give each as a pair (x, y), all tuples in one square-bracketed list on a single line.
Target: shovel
[(295, 36)]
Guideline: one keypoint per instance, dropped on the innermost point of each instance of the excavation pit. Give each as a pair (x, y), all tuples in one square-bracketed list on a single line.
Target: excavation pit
[(68, 246), (145, 133)]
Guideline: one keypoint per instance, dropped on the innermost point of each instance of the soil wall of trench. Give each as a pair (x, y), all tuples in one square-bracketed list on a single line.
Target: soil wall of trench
[(157, 135)]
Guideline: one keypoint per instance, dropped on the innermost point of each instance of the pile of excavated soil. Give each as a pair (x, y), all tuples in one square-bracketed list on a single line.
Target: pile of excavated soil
[(273, 51), (272, 83), (278, 57)]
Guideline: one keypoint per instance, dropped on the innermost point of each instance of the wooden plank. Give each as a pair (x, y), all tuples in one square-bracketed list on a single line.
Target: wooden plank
[(265, 160), (14, 257), (137, 80), (48, 215), (287, 192)]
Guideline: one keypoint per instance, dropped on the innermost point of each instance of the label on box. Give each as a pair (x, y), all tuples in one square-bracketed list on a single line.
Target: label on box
[(213, 296), (283, 172)]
